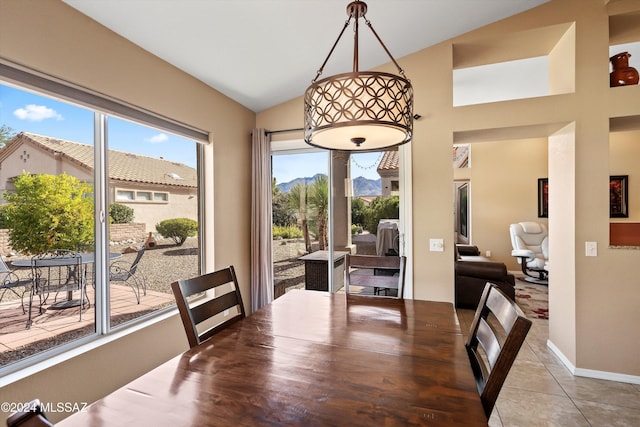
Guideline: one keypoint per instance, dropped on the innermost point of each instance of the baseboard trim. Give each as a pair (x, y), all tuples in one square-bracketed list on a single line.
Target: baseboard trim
[(591, 373)]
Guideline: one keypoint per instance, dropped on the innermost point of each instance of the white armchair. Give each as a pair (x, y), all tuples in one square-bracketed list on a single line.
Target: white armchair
[(531, 247)]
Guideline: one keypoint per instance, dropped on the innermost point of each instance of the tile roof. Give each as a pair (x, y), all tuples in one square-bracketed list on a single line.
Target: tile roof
[(389, 161), (123, 166)]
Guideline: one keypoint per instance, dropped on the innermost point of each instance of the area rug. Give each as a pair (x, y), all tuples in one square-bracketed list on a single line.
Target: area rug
[(532, 299)]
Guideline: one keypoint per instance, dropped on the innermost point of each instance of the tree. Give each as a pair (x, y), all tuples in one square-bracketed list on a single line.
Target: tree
[(319, 203), (381, 207), (6, 134), (298, 202), (357, 211), (49, 212), (283, 216)]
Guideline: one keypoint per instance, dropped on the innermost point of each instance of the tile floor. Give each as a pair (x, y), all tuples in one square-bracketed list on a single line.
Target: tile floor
[(540, 391)]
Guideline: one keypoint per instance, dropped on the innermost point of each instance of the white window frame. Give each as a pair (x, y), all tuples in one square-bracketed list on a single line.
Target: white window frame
[(27, 79)]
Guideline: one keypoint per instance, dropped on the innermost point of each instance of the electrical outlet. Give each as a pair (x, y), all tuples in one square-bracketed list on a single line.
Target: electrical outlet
[(591, 248), (436, 245), (226, 312), (487, 254)]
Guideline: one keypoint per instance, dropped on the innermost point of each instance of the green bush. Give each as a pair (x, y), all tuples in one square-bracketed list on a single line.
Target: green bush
[(356, 229), (49, 211), (381, 207), (177, 229), (120, 214), (289, 232), (3, 216), (357, 211)]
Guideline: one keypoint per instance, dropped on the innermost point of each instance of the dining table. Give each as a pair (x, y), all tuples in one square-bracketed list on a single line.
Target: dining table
[(310, 358)]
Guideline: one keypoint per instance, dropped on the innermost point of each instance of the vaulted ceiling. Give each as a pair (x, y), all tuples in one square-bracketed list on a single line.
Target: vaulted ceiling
[(264, 52)]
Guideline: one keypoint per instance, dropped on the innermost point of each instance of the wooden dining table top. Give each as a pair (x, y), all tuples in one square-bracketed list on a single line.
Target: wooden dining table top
[(311, 359)]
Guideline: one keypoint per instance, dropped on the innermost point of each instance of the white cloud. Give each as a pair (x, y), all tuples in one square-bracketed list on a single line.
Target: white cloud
[(36, 113), (161, 137)]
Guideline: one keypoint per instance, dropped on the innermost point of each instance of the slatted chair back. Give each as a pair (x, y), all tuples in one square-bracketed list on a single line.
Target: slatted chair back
[(195, 312), (377, 272), (494, 342), (136, 261)]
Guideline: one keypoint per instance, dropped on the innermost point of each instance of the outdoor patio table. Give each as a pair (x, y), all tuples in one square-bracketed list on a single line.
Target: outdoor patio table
[(310, 358), (86, 258)]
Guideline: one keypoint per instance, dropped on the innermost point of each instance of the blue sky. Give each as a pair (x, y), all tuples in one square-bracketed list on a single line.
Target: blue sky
[(26, 111), (288, 167)]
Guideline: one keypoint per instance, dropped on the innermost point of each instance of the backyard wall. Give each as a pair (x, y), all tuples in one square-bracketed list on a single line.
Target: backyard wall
[(119, 233)]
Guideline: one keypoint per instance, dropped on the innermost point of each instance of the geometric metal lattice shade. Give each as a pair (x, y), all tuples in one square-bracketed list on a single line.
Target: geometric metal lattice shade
[(359, 111)]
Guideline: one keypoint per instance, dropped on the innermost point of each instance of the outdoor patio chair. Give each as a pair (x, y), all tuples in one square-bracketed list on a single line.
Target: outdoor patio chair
[(377, 272), (9, 281), (130, 274), (57, 271), (199, 311)]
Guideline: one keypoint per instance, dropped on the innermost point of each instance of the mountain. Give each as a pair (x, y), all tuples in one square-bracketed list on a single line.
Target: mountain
[(361, 185), (285, 187), (367, 187)]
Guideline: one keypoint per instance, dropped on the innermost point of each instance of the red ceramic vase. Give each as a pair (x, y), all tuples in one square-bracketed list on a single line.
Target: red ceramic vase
[(622, 74)]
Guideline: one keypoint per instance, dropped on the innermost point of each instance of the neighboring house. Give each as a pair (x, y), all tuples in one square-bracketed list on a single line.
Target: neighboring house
[(155, 188), (388, 169)]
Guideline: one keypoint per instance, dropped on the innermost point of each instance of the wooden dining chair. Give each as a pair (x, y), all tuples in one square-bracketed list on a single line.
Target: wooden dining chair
[(32, 415), (500, 328), (213, 310), (377, 272)]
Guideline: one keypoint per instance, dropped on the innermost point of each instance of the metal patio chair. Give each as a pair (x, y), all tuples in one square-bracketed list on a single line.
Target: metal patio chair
[(130, 274)]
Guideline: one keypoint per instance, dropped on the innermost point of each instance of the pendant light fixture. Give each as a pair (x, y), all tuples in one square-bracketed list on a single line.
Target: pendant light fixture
[(360, 110)]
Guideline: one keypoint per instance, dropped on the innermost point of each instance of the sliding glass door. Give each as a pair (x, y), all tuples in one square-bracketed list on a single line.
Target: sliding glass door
[(300, 193)]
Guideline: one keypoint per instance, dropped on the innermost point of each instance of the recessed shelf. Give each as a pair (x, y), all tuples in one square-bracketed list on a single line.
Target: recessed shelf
[(526, 64)]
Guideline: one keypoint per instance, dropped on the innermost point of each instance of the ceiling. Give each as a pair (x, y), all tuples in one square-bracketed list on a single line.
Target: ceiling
[(264, 52)]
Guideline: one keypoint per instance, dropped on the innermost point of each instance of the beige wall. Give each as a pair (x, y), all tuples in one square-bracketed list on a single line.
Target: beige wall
[(183, 203), (503, 181), (624, 152), (594, 301), (49, 36)]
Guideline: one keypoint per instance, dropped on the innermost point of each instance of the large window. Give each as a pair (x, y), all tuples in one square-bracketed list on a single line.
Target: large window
[(113, 191)]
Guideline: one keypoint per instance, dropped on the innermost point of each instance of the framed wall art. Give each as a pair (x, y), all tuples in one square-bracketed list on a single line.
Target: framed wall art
[(543, 197), (619, 196)]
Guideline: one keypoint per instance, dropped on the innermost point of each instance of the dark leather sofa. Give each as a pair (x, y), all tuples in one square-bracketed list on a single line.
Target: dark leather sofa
[(473, 271)]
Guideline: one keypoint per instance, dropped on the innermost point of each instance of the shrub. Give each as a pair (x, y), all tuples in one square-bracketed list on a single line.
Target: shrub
[(3, 216), (357, 211), (381, 207), (120, 214), (356, 229), (177, 229), (49, 211), (287, 232)]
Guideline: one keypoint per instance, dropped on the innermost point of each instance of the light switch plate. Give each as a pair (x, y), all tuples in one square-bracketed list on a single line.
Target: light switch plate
[(591, 248), (436, 245)]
